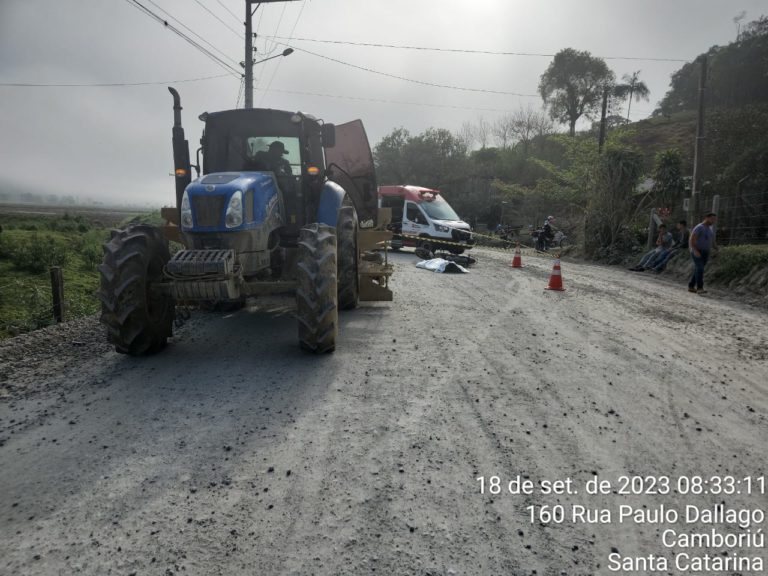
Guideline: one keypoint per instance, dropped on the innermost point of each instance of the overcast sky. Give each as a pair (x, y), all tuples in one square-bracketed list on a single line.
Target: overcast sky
[(113, 143)]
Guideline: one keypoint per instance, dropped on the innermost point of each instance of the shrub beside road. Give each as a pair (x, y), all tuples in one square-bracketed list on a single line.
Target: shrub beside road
[(30, 243)]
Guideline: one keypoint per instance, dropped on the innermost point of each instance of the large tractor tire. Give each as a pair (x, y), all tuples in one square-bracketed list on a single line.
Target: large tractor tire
[(316, 296), (138, 320), (346, 244)]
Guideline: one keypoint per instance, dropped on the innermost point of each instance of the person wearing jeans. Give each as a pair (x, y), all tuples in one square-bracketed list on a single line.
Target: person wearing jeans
[(700, 243), (663, 243), (681, 242)]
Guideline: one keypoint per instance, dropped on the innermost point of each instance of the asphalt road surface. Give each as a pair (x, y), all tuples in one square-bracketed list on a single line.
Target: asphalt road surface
[(232, 452)]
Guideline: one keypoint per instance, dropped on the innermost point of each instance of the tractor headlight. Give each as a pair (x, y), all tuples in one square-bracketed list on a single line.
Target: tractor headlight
[(441, 228), (234, 215), (186, 212)]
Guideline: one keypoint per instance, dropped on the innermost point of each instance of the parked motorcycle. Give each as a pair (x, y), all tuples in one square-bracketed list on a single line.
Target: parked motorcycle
[(542, 243), (509, 234)]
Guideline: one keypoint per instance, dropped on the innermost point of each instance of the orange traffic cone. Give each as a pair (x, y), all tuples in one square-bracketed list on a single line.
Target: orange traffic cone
[(556, 279), (517, 261)]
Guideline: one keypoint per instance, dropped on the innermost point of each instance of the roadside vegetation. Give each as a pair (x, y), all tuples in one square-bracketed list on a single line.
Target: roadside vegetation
[(29, 246), (734, 261)]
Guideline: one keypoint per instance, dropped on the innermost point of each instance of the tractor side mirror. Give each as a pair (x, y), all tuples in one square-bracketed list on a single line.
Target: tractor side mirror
[(328, 133)]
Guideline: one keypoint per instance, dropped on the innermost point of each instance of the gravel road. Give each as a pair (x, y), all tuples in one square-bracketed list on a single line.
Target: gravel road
[(234, 453)]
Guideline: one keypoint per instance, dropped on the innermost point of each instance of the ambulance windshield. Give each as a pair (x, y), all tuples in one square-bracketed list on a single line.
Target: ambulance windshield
[(439, 210)]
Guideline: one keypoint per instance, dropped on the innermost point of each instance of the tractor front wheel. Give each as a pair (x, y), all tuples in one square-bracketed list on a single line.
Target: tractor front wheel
[(346, 245), (316, 296), (139, 319)]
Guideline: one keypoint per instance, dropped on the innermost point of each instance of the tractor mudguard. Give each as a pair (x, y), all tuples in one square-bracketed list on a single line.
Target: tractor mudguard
[(331, 199)]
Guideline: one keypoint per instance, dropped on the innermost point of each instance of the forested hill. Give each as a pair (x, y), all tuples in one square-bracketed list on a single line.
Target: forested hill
[(737, 74)]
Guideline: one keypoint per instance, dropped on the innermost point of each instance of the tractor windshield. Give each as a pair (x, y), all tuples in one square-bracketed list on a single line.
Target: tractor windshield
[(439, 210), (257, 140), (277, 154)]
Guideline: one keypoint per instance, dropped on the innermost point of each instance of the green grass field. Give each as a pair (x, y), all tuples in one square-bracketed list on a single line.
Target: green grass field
[(29, 246)]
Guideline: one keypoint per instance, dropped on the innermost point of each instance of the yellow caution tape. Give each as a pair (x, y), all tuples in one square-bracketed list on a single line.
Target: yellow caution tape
[(467, 246)]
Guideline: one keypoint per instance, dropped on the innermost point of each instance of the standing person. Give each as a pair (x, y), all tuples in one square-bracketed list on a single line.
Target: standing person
[(700, 244)]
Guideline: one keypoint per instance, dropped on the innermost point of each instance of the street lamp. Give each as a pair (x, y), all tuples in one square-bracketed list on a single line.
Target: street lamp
[(502, 211), (286, 52)]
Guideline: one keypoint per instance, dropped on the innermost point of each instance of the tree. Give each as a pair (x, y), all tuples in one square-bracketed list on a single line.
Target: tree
[(528, 124), (573, 84), (482, 131), (633, 87), (612, 205), (466, 135), (434, 158), (736, 75), (668, 182), (389, 157), (502, 131)]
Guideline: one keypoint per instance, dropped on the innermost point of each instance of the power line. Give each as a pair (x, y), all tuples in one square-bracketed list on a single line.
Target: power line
[(139, 6), (258, 28), (237, 18), (415, 81), (106, 84), (268, 51), (466, 50), (188, 29), (383, 101), (279, 21), (275, 70), (227, 26)]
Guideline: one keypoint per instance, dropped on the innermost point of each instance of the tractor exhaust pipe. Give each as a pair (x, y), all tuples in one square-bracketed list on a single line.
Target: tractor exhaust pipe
[(176, 107), (182, 168)]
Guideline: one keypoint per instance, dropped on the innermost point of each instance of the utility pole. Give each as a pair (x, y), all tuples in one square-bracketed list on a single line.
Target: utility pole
[(601, 138), (248, 55), (699, 146), (249, 36)]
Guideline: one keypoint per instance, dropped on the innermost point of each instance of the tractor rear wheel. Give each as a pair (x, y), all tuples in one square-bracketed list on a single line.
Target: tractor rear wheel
[(138, 319), (346, 245), (316, 296)]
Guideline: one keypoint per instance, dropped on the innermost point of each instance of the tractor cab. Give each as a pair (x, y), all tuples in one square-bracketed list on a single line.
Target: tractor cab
[(316, 167), (287, 146)]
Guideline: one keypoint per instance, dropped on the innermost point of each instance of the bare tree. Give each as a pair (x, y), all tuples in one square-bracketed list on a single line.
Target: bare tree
[(503, 131), (466, 135), (544, 125), (482, 132), (528, 123)]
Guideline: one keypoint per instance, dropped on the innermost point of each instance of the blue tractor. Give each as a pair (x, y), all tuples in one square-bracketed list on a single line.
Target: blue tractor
[(282, 204)]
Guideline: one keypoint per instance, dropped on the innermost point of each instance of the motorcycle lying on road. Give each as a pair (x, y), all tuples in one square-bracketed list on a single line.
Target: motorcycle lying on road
[(542, 243)]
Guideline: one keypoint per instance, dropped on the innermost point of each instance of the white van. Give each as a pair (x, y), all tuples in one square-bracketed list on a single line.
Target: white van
[(422, 217)]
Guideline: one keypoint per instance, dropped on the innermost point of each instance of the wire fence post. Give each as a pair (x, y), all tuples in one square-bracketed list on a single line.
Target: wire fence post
[(653, 228), (716, 210), (57, 289)]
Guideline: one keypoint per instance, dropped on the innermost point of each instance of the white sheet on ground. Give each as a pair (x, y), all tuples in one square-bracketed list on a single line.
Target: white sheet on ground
[(441, 265)]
